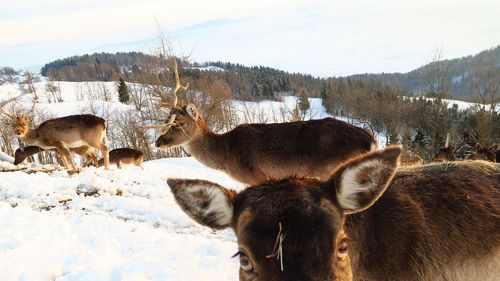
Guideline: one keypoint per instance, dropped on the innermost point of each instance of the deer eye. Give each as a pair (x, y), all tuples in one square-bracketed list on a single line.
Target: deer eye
[(342, 248), (245, 263)]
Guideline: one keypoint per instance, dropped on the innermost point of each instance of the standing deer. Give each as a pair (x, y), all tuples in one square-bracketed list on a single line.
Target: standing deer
[(368, 221), (124, 155), (255, 153), (485, 153), (63, 134), (21, 154)]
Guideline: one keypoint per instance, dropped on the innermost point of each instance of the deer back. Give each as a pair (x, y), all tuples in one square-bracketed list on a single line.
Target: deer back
[(125, 155)]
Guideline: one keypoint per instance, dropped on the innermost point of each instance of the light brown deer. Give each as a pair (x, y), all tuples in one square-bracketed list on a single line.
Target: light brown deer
[(434, 222), (63, 134), (124, 155), (255, 153), (485, 153), (21, 154)]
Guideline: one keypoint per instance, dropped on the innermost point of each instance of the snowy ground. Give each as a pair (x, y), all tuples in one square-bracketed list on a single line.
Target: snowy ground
[(129, 229)]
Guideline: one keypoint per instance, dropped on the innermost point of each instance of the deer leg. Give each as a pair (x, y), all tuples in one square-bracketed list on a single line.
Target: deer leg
[(105, 153), (66, 157), (118, 164)]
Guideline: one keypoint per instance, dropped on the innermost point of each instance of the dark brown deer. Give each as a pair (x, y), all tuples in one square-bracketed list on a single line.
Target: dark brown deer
[(446, 153), (21, 154), (124, 155), (484, 153), (64, 133), (434, 222), (255, 153)]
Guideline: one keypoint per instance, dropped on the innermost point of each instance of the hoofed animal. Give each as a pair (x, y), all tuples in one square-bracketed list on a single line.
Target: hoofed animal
[(21, 154), (485, 153), (409, 158), (63, 134), (433, 222), (255, 153), (124, 155)]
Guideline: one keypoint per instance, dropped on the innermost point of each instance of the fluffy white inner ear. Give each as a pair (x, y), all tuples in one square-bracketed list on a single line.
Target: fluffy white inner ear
[(207, 203), (192, 111), (362, 184)]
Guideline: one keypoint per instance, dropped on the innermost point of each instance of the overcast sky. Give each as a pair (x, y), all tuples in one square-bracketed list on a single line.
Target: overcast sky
[(323, 38)]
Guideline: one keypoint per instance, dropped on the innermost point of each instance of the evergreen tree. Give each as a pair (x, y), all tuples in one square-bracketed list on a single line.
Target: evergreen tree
[(123, 95)]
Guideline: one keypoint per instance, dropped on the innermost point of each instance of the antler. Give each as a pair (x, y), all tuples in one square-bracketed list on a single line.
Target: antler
[(177, 83), (164, 127), (3, 103)]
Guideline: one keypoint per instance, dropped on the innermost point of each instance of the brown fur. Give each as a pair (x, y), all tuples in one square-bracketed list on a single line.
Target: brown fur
[(484, 153), (446, 154), (85, 151), (409, 158), (125, 155), (255, 153), (438, 222), (63, 134)]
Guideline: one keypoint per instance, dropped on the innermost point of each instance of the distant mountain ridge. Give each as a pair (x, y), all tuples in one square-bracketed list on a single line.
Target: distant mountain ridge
[(106, 67), (457, 75)]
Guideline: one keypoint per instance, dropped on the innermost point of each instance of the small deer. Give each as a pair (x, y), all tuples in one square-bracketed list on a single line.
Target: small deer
[(255, 153), (368, 221), (62, 134), (485, 153), (21, 154), (124, 155)]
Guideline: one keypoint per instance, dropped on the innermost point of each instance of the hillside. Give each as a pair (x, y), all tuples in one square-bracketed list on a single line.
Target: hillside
[(456, 73)]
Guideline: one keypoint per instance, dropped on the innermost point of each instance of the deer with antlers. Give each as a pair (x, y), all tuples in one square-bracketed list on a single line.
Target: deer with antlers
[(63, 134), (370, 220), (254, 153)]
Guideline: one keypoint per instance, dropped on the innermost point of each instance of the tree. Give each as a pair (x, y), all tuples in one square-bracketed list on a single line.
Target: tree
[(123, 95)]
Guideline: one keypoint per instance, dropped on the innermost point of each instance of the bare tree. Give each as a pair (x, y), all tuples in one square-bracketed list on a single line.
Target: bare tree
[(435, 74)]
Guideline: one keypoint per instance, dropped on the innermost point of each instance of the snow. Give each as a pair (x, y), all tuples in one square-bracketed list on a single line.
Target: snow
[(51, 232)]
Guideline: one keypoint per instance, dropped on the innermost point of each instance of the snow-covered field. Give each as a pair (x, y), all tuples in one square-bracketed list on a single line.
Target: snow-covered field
[(128, 228)]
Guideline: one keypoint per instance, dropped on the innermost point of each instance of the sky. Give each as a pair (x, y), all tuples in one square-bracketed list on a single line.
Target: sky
[(318, 37)]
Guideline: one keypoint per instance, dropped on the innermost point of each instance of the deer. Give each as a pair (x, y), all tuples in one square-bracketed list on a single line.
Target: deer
[(254, 153), (371, 220), (85, 151), (446, 153), (63, 134), (485, 153), (124, 155), (409, 158)]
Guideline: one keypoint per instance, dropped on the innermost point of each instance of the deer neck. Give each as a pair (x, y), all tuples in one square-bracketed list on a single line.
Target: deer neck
[(208, 148), (31, 137)]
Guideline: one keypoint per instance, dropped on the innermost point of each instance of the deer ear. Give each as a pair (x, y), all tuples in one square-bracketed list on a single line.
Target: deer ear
[(494, 147), (192, 111), (360, 182), (207, 203), (479, 146)]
